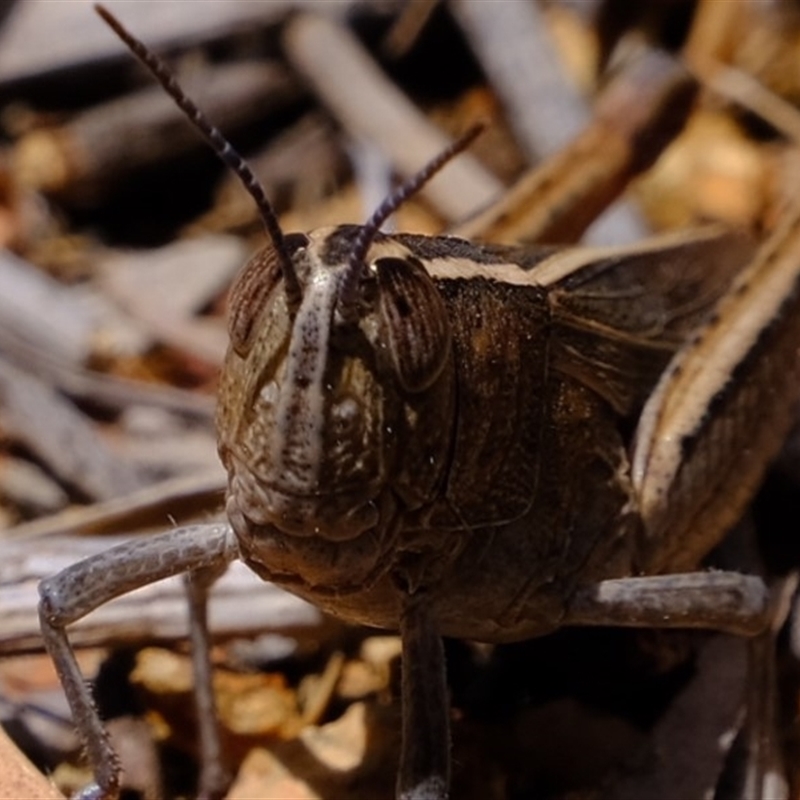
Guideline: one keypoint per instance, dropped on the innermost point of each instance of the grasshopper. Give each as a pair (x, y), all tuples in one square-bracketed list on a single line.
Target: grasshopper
[(471, 440)]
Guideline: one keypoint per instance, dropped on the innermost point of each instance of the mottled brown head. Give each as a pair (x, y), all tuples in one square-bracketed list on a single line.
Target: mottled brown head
[(320, 413), (336, 398), (336, 401)]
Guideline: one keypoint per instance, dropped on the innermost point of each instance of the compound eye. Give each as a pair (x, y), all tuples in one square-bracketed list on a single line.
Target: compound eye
[(252, 288), (248, 296), (414, 322)]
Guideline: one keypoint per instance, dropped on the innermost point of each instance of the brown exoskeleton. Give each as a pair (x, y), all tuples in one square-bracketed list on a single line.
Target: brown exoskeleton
[(432, 435)]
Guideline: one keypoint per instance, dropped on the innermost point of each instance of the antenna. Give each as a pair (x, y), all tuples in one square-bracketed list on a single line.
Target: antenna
[(409, 187), (221, 147)]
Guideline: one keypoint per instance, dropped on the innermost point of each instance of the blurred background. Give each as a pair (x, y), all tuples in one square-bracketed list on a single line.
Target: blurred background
[(120, 233)]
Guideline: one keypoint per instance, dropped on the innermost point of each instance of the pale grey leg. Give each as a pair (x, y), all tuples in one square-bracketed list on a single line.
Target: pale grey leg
[(716, 600), (214, 778), (79, 589), (764, 770), (757, 772), (720, 601), (425, 756)]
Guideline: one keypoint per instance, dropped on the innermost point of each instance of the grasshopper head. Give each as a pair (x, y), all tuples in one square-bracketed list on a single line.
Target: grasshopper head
[(319, 420), (335, 410), (336, 392)]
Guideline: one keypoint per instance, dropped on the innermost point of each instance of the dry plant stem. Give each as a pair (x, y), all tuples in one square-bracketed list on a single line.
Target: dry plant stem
[(78, 590), (108, 390), (716, 28), (372, 174), (742, 88), (371, 107), (53, 428), (298, 168), (214, 778), (635, 118), (85, 158), (147, 507), (37, 309), (544, 107), (154, 288), (46, 40), (406, 29), (425, 758)]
